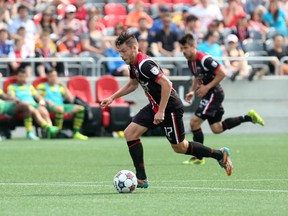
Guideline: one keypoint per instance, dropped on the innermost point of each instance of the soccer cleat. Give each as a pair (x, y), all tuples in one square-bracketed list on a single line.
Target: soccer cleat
[(142, 183), (52, 131), (256, 118), (194, 160), (80, 136), (226, 162), (30, 135)]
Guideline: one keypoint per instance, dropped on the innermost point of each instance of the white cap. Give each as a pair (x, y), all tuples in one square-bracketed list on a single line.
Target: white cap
[(232, 38), (70, 8)]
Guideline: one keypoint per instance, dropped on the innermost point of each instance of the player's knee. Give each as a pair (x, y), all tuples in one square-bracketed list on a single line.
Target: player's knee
[(179, 148), (59, 109), (216, 130), (130, 134)]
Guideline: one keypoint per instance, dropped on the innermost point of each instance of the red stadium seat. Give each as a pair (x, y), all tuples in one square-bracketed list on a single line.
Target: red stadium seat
[(117, 115), (37, 18), (79, 86), (115, 9), (161, 1), (134, 1), (185, 2), (112, 20), (61, 10), (7, 82), (39, 80)]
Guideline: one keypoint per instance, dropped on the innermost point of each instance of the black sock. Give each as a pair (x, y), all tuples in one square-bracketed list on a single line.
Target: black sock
[(198, 136), (198, 150), (137, 155), (234, 122)]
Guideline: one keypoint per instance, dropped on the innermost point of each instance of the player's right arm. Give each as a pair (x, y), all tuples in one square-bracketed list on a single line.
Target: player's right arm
[(190, 94), (126, 89)]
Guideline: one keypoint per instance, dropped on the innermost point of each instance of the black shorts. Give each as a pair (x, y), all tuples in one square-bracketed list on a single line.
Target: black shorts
[(172, 125), (210, 106)]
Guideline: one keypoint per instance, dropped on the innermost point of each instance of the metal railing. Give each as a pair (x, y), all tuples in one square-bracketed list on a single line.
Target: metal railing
[(96, 66), (33, 61)]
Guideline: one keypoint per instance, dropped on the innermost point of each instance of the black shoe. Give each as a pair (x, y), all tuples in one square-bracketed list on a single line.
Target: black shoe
[(234, 75)]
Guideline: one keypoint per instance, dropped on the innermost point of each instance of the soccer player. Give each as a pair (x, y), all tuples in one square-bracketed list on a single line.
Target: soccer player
[(9, 106), (55, 93), (165, 109), (26, 94), (208, 74)]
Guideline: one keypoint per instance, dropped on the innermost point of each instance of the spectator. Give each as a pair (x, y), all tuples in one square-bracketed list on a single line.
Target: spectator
[(69, 44), (164, 11), (241, 30), (55, 93), (93, 11), (29, 44), (47, 22), (18, 53), (23, 20), (6, 45), (232, 13), (143, 30), (70, 21), (167, 39), (206, 12), (45, 47), (27, 93), (279, 50), (217, 25), (256, 22), (275, 17), (4, 12), (236, 67), (137, 13), (193, 27), (210, 46), (251, 5), (92, 41)]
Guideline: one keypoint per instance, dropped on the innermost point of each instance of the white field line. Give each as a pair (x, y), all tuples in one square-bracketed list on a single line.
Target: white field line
[(109, 184)]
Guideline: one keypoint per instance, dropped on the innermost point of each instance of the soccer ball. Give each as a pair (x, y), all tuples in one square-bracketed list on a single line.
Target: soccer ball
[(125, 181)]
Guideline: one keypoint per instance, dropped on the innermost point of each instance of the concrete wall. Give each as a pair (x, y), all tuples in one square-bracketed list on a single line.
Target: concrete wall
[(268, 96)]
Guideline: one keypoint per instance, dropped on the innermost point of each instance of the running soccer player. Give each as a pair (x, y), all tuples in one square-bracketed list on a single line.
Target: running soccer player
[(165, 109), (55, 93), (208, 74)]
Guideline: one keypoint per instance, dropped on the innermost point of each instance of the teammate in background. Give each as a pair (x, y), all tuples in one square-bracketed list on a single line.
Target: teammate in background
[(9, 106), (208, 74), (165, 109), (26, 94), (55, 93)]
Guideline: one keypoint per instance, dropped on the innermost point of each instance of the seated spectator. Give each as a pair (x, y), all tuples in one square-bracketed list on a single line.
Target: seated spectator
[(241, 30), (279, 50), (251, 5), (4, 12), (206, 12), (93, 11), (27, 94), (69, 44), (256, 22), (29, 44), (45, 47), (143, 30), (236, 67), (18, 53), (193, 27), (6, 45), (10, 106), (92, 41), (210, 45), (218, 26), (137, 13), (70, 21), (55, 93), (48, 23), (276, 17), (232, 13), (167, 39), (144, 48), (164, 11), (23, 20)]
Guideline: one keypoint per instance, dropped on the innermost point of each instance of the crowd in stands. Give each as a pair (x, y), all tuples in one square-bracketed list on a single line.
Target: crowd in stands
[(79, 28)]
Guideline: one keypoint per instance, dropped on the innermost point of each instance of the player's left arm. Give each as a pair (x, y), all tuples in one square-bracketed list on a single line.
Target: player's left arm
[(166, 87), (220, 74)]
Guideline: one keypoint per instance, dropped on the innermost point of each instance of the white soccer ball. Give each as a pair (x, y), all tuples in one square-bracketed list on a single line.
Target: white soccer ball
[(125, 181)]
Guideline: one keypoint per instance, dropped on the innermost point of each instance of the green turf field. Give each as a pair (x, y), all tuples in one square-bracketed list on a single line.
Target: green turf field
[(68, 177)]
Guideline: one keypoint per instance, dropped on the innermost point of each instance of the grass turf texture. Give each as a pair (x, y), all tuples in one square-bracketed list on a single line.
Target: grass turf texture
[(70, 177)]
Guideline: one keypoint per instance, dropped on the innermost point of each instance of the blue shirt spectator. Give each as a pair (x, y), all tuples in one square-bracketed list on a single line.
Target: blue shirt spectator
[(6, 46)]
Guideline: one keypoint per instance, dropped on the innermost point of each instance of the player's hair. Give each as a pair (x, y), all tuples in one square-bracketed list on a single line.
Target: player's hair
[(20, 70), (187, 39), (125, 38)]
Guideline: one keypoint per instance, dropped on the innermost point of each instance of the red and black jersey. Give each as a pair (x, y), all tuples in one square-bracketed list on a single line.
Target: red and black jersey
[(203, 68), (147, 72)]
